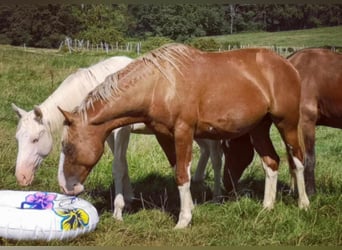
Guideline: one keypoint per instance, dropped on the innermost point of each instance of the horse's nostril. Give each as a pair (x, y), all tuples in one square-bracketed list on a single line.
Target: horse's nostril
[(23, 180)]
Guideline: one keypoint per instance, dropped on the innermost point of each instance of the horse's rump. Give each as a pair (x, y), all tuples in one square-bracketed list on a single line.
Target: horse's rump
[(321, 73)]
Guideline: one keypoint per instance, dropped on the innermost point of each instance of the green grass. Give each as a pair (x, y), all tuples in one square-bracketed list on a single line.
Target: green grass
[(29, 77), (331, 36)]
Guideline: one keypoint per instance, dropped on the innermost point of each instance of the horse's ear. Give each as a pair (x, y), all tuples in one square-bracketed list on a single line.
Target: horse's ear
[(20, 112), (38, 113), (67, 115)]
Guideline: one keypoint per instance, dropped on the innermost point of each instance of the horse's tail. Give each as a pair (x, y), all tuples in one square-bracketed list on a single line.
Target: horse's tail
[(306, 135)]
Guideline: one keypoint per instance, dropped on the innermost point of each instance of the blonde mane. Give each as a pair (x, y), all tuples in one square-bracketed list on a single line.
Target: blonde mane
[(176, 55), (76, 87)]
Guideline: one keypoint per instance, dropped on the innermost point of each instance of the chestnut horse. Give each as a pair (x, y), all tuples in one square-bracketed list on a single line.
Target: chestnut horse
[(182, 93), (36, 128), (321, 104)]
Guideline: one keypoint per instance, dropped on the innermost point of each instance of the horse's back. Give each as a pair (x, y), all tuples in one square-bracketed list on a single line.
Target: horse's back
[(243, 86), (321, 65), (321, 76), (263, 72)]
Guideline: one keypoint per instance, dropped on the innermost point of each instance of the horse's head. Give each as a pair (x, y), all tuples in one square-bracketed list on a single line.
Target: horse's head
[(34, 143), (80, 152)]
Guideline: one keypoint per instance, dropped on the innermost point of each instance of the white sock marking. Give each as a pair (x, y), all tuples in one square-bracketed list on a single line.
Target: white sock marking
[(303, 200), (271, 178), (186, 203)]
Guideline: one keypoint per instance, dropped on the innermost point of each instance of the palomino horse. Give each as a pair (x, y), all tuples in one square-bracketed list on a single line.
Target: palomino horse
[(182, 93), (36, 128), (321, 104)]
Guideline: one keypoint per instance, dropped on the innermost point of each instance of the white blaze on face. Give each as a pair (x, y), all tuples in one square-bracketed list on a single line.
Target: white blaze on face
[(61, 177), (77, 187)]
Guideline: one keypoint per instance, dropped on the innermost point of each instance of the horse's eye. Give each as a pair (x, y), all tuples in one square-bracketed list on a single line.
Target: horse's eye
[(35, 140)]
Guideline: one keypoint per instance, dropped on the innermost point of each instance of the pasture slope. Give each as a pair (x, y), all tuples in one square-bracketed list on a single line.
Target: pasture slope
[(28, 76)]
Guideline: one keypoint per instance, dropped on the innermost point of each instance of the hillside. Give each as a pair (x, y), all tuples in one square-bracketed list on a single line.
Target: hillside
[(328, 36)]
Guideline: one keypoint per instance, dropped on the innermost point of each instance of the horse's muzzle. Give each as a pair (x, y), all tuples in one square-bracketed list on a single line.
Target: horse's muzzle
[(24, 179), (75, 190)]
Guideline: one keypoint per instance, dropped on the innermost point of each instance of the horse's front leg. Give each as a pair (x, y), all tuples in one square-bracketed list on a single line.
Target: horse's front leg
[(270, 161), (183, 144), (123, 188)]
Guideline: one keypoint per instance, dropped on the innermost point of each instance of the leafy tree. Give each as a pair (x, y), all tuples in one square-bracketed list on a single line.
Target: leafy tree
[(47, 25), (52, 24), (19, 26), (177, 21), (102, 23), (5, 13), (40, 26), (287, 17)]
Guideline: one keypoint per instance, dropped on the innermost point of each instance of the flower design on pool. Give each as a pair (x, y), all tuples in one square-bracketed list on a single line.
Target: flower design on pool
[(39, 200), (73, 218)]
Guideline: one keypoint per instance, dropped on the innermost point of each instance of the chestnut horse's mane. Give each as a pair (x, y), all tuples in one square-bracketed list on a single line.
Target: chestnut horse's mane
[(174, 54)]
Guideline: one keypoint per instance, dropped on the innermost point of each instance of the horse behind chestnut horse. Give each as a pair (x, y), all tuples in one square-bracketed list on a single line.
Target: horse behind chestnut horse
[(321, 104), (182, 93), (321, 99)]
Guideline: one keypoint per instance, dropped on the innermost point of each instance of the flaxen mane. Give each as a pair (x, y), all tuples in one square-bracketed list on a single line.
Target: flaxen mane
[(176, 55)]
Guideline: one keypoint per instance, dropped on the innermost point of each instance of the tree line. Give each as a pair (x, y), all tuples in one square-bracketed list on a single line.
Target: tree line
[(47, 25)]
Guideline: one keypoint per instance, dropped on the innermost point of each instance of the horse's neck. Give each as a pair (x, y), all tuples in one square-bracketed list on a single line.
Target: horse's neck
[(109, 126), (130, 102), (76, 87), (67, 96)]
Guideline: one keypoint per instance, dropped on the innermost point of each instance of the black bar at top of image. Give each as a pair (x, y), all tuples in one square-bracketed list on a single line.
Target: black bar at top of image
[(44, 2)]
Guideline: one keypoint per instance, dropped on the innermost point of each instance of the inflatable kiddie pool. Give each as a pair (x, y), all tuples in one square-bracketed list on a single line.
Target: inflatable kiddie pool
[(35, 215)]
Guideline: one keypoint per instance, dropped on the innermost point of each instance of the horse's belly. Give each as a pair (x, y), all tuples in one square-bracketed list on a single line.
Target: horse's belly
[(330, 112), (230, 125), (231, 116)]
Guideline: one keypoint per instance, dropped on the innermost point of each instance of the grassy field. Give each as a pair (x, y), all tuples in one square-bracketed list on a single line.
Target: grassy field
[(28, 77), (330, 36)]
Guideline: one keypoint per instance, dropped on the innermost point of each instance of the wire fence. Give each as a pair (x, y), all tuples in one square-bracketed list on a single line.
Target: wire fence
[(75, 45)]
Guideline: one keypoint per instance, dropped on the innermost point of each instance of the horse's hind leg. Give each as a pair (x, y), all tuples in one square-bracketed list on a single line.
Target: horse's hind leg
[(239, 153), (295, 157), (213, 149), (216, 161), (270, 161), (199, 175)]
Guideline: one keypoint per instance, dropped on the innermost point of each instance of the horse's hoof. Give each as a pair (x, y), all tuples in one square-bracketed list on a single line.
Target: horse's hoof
[(268, 206), (117, 215), (184, 221), (304, 205), (181, 225)]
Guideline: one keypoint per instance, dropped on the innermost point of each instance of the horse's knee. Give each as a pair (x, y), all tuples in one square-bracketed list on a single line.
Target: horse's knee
[(308, 112), (272, 162)]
